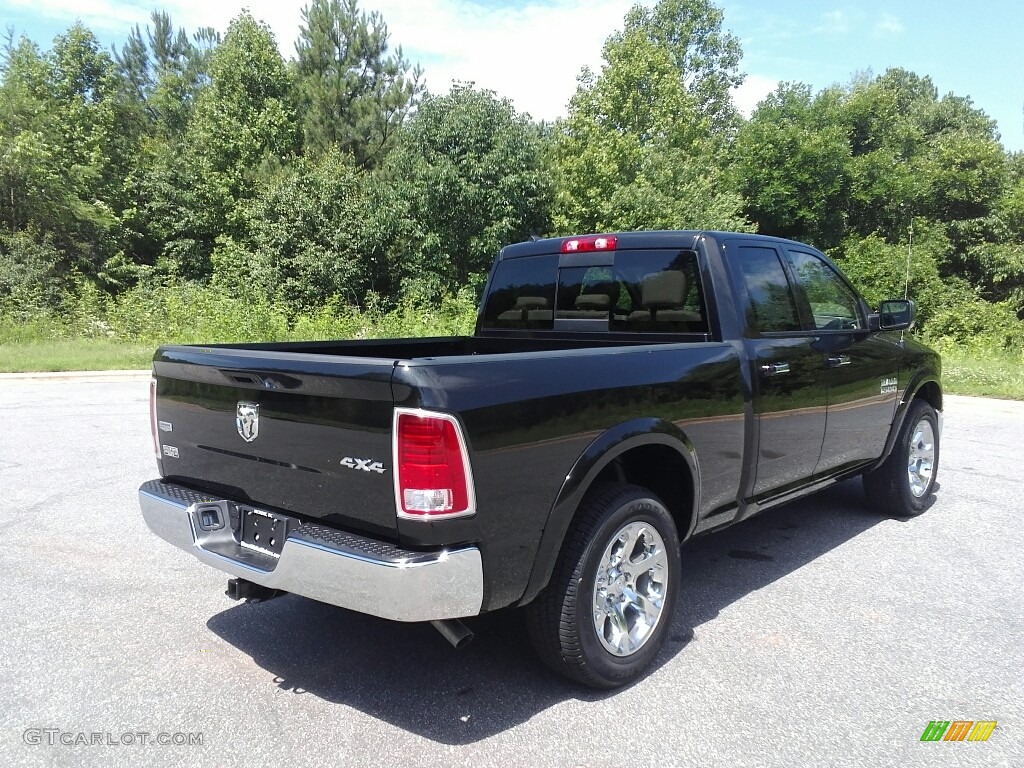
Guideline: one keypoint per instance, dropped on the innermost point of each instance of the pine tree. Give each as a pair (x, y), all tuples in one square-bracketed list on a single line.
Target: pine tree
[(353, 93)]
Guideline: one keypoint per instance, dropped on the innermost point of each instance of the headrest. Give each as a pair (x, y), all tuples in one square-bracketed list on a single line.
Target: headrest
[(531, 302), (593, 301), (663, 289)]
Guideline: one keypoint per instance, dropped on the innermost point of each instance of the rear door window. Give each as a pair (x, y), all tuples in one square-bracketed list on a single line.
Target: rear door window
[(771, 307)]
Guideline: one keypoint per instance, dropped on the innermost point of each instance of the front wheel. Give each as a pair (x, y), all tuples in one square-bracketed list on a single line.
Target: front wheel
[(902, 485), (604, 615)]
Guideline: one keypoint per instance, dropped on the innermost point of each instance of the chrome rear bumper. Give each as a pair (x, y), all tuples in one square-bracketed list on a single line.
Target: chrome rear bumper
[(321, 563)]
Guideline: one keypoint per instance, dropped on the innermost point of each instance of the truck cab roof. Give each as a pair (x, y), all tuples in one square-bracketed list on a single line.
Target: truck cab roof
[(668, 238)]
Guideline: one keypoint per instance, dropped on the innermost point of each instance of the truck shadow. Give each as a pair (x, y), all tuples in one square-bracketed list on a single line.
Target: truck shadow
[(407, 675)]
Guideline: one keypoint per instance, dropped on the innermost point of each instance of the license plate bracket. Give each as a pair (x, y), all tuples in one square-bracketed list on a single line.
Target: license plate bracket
[(263, 531)]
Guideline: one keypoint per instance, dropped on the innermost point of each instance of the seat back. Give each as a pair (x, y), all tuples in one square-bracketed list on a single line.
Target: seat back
[(662, 295), (595, 304), (528, 308)]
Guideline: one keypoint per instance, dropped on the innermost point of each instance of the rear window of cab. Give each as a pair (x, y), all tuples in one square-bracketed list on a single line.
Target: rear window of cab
[(642, 291)]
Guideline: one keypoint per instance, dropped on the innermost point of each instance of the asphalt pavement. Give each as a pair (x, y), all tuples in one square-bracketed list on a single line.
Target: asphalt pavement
[(818, 634)]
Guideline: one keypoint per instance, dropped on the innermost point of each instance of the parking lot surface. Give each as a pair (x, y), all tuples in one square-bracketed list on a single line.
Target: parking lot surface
[(816, 634)]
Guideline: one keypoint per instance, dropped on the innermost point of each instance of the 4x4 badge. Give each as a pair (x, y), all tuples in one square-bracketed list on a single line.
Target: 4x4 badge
[(366, 465), (247, 419)]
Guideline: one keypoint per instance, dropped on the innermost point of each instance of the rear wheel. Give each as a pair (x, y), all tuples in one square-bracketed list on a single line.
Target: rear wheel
[(604, 615), (903, 484)]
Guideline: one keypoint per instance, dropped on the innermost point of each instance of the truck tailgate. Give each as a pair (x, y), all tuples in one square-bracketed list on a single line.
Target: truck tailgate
[(301, 426)]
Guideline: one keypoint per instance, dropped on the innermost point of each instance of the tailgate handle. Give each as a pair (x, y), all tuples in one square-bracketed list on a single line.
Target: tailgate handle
[(266, 381), (240, 377)]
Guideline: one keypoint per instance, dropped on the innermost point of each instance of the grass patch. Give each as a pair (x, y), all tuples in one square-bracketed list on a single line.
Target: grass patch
[(983, 373), (97, 333), (73, 355), (965, 371)]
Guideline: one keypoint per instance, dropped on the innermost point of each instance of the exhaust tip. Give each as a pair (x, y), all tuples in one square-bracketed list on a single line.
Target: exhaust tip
[(454, 631)]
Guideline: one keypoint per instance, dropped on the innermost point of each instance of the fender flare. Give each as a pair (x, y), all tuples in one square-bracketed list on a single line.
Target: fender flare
[(601, 452), (919, 380)]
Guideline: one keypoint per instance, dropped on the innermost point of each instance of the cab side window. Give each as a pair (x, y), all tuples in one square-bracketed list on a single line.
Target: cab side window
[(771, 307), (834, 306)]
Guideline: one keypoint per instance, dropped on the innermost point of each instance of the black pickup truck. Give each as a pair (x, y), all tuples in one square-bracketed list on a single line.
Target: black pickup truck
[(621, 394)]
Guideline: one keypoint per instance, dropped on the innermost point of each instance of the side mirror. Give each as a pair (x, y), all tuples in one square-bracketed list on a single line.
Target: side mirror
[(896, 315)]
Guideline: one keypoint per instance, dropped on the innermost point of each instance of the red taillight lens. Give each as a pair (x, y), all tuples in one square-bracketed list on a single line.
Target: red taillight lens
[(432, 477), (589, 243), (152, 418)]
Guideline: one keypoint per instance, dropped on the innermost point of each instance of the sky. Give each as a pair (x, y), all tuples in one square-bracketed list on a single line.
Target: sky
[(532, 52)]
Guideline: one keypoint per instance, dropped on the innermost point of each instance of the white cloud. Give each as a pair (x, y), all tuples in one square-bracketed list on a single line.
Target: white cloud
[(754, 88), (888, 25), (530, 52), (834, 22)]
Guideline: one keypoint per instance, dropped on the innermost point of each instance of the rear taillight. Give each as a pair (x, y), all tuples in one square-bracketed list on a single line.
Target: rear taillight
[(432, 474), (152, 418)]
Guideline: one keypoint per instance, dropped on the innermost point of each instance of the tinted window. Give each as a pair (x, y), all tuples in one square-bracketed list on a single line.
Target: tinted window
[(771, 308), (522, 294), (646, 291), (833, 305), (586, 293), (657, 291)]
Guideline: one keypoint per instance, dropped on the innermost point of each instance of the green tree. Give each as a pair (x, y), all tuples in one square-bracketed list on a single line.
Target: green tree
[(307, 237), (879, 268), (469, 177), (353, 93), (915, 154), (31, 175), (644, 143), (1011, 205), (918, 155), (242, 130), (164, 71), (62, 153), (852, 168), (966, 175), (706, 57), (793, 165), (29, 278)]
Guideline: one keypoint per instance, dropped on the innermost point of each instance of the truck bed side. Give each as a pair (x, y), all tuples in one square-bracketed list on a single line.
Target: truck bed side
[(530, 419)]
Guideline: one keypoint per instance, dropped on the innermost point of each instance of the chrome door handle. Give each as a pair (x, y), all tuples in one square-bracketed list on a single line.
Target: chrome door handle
[(838, 360), (774, 369)]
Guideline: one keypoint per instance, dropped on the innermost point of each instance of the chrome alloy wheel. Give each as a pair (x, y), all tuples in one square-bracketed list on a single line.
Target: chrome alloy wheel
[(921, 458), (629, 591)]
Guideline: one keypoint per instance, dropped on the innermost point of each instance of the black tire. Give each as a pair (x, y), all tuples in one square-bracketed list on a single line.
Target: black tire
[(561, 620), (889, 487)]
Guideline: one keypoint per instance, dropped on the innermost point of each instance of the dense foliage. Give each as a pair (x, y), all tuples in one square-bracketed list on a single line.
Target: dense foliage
[(195, 184)]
